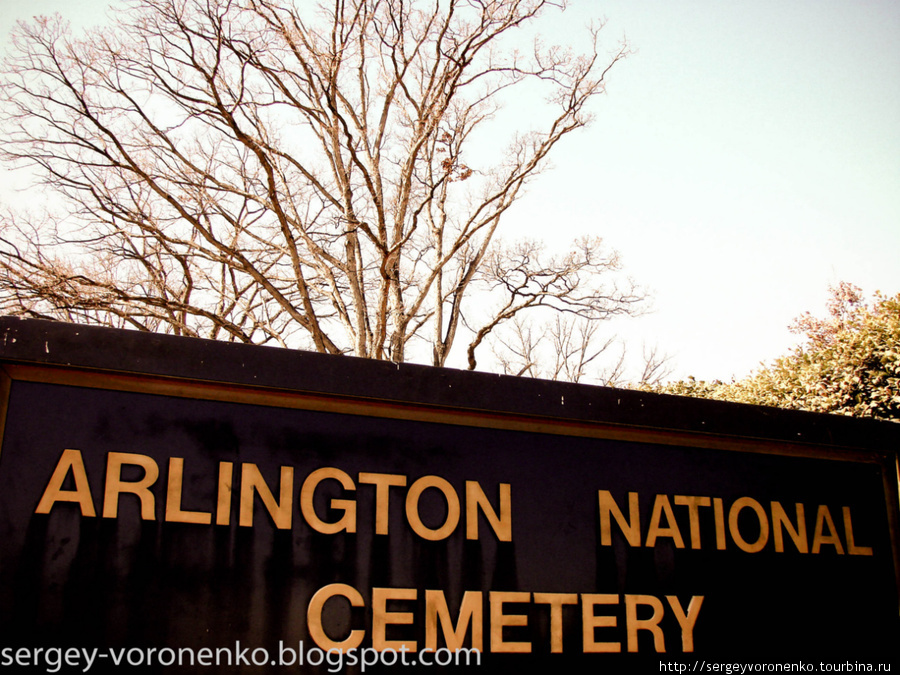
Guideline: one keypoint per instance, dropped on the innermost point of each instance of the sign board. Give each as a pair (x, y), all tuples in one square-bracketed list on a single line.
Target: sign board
[(168, 501)]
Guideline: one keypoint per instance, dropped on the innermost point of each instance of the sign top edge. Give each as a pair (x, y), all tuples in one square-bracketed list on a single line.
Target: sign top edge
[(83, 347)]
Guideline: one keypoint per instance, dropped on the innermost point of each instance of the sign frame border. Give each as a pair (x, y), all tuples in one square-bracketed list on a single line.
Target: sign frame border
[(148, 363)]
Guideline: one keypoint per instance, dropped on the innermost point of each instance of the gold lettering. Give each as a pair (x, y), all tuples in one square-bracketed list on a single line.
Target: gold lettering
[(590, 622), (81, 495), (719, 516), (116, 486), (223, 500), (556, 602), (499, 621), (174, 513), (471, 612), (693, 504), (381, 617), (687, 620), (823, 519), (852, 548), (347, 521), (314, 617), (633, 624), (412, 508), (475, 498), (734, 514), (798, 534), (631, 528), (662, 506), (382, 483), (281, 511)]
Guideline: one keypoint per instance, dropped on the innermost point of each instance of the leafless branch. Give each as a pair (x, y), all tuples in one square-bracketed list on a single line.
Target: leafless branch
[(263, 172)]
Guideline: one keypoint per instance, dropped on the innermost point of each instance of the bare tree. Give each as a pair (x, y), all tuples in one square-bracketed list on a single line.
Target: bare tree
[(259, 171), (657, 368), (559, 349), (571, 348)]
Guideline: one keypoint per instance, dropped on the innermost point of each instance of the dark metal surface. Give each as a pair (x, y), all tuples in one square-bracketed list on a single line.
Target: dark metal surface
[(54, 343), (129, 580)]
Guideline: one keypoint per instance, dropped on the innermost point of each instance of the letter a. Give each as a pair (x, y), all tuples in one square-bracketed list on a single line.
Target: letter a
[(70, 459)]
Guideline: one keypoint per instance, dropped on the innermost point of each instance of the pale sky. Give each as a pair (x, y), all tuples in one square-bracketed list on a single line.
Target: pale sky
[(744, 158)]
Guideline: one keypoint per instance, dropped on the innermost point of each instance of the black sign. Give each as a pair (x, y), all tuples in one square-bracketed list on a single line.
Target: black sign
[(169, 502)]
